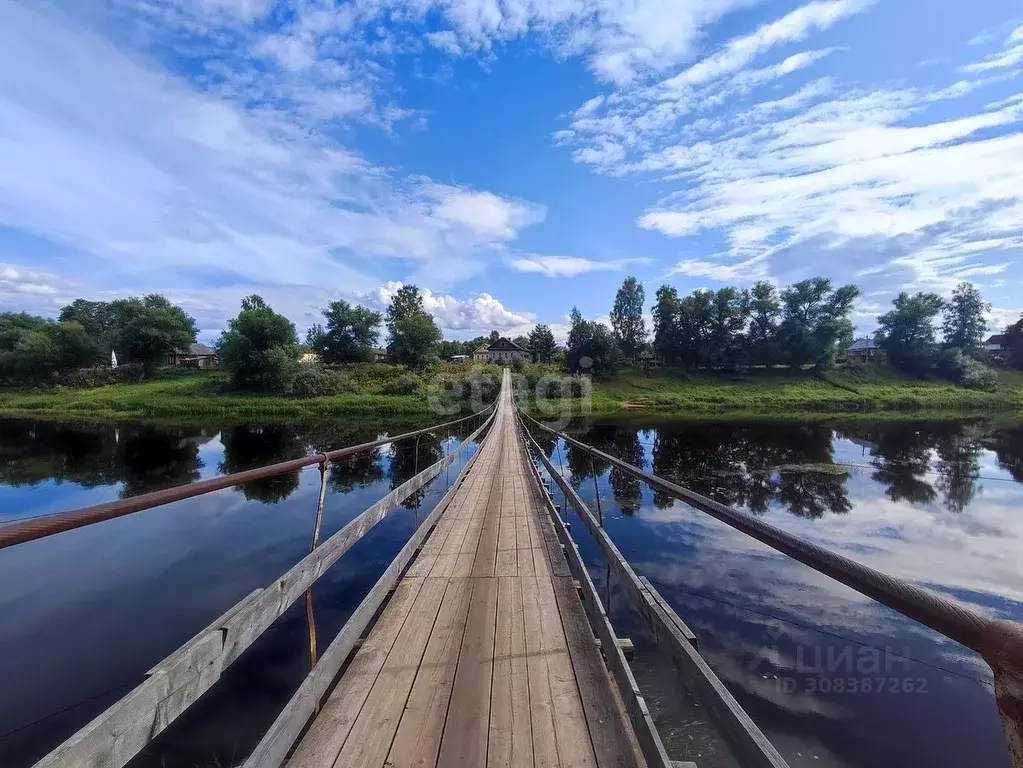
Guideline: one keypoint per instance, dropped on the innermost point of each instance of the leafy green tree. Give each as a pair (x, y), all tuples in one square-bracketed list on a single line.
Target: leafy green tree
[(148, 329), (260, 348), (542, 344), (522, 341), (97, 318), (1014, 344), (762, 335), (695, 315), (729, 312), (964, 323), (667, 334), (907, 334), (412, 332), (34, 350), (495, 336), (592, 347), (627, 318), (350, 335), (815, 324)]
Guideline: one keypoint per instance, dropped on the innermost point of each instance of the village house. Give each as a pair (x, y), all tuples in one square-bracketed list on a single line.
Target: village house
[(504, 351), (196, 356), (862, 349), (996, 346)]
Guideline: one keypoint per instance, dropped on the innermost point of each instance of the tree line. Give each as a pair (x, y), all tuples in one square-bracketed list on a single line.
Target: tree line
[(804, 324)]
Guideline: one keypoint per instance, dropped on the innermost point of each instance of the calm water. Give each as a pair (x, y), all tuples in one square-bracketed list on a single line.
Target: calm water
[(86, 613)]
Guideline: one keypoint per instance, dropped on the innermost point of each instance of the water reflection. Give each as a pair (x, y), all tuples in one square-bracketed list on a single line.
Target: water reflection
[(251, 447), (935, 502), (792, 465), (142, 458)]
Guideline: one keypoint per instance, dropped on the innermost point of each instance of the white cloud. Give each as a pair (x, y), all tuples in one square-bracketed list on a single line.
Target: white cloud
[(154, 181), (569, 266), (481, 312), (1010, 56), (740, 51), (867, 173), (446, 41)]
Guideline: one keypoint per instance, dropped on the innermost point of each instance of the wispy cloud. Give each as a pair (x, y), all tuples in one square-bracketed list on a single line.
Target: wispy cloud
[(569, 266)]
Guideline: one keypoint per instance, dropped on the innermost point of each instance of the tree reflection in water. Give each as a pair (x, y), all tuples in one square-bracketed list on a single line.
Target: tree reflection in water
[(250, 447), (412, 456), (755, 465), (144, 458)]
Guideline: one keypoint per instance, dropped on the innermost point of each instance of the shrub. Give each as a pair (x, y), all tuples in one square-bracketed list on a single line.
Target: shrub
[(316, 381), (966, 371), (101, 376), (518, 365), (406, 384)]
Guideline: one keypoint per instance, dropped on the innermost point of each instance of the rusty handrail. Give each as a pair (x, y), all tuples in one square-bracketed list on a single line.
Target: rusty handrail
[(999, 642), (49, 525)]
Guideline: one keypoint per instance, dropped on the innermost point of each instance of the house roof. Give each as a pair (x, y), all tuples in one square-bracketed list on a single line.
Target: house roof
[(998, 338), (863, 344), (481, 348), (196, 350), (505, 345)]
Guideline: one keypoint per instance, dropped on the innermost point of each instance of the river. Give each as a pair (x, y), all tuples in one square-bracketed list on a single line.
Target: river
[(832, 678)]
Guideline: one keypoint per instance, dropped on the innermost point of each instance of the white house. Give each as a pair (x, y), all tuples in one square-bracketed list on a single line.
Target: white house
[(996, 346), (504, 351)]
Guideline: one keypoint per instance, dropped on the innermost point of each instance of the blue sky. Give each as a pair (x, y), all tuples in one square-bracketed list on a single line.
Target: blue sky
[(511, 157)]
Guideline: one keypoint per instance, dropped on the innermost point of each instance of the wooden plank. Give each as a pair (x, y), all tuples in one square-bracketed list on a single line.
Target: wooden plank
[(541, 703), (687, 633), (329, 731), (507, 563), (374, 729), (464, 741), (417, 741), (635, 706), (612, 742), (574, 745), (282, 735), (511, 735), (486, 554)]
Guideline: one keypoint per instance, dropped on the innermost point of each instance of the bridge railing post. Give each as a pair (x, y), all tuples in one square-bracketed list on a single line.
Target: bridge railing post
[(1003, 651), (596, 492)]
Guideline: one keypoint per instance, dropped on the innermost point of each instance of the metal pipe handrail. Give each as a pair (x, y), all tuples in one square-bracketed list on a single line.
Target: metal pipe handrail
[(49, 525), (999, 642)]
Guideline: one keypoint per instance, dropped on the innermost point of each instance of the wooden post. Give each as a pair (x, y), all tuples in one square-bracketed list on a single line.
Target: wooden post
[(596, 492), (310, 616)]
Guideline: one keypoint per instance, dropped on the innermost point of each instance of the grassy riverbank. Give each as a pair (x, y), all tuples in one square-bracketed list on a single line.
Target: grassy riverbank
[(201, 396), (854, 389), (843, 390)]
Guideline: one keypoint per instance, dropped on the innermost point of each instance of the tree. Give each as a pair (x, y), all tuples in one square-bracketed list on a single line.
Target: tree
[(541, 343), (260, 348), (728, 315), (495, 336), (1014, 344), (97, 318), (412, 332), (964, 322), (761, 337), (695, 315), (627, 318), (522, 341), (148, 329), (350, 335), (906, 333), (815, 324), (592, 347), (667, 338), (34, 350)]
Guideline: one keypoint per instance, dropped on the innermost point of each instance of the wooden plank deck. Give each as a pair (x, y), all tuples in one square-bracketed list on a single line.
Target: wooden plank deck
[(483, 655)]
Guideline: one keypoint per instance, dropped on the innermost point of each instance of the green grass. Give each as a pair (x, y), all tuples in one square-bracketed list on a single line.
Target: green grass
[(867, 388), (200, 395)]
